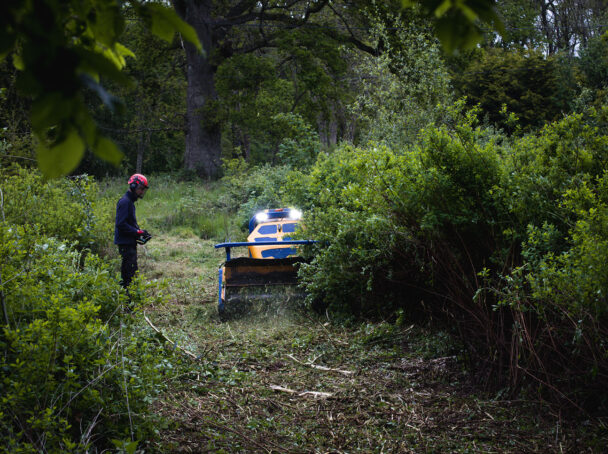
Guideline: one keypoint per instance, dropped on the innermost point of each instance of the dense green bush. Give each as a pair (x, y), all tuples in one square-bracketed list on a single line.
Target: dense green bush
[(350, 220), (558, 293), (565, 288), (535, 87), (249, 190), (399, 91), (58, 208), (75, 372), (385, 216), (300, 144), (594, 62), (504, 239)]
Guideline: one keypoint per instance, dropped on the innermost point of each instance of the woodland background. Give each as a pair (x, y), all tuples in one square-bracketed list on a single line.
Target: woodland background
[(466, 190)]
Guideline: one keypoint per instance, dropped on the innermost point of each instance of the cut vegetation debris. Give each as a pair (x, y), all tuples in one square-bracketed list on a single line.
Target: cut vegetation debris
[(294, 383), (252, 396)]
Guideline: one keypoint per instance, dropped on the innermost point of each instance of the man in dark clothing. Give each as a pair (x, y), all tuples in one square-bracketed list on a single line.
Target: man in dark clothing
[(126, 231)]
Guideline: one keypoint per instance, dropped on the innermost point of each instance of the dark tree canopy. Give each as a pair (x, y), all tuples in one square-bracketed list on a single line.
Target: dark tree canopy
[(63, 49)]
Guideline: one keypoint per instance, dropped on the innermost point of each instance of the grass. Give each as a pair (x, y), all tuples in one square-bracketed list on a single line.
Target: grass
[(176, 207), (300, 382), (256, 389)]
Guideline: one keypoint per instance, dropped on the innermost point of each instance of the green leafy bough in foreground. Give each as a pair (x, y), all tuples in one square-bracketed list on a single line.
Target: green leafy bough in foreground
[(62, 49)]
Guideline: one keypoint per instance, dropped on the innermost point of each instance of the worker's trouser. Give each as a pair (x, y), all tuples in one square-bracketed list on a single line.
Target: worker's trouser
[(129, 263)]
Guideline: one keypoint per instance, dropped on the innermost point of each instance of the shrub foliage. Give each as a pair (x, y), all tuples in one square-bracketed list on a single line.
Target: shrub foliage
[(75, 372), (503, 239)]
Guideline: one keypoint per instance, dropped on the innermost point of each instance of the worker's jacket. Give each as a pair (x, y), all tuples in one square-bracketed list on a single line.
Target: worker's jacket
[(125, 230)]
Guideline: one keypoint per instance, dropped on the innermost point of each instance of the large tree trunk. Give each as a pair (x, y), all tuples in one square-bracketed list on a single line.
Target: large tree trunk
[(322, 129), (332, 126), (203, 131)]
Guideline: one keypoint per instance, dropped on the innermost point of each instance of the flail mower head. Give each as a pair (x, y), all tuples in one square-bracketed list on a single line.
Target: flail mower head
[(268, 277)]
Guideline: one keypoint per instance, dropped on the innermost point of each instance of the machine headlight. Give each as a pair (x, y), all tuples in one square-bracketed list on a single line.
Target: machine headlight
[(295, 214), (261, 217)]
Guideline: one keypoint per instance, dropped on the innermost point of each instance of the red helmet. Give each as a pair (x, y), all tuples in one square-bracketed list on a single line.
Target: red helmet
[(136, 180)]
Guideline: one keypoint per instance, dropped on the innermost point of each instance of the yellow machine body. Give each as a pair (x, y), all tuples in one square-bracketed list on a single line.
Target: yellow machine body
[(270, 271)]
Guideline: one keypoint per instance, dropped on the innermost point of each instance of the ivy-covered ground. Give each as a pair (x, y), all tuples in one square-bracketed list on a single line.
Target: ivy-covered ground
[(298, 382)]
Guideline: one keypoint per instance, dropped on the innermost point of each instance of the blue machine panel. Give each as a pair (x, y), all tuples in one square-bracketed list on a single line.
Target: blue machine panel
[(267, 229), (278, 253), (289, 228)]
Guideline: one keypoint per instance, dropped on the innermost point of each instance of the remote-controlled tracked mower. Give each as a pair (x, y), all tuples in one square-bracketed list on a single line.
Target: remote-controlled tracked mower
[(267, 279)]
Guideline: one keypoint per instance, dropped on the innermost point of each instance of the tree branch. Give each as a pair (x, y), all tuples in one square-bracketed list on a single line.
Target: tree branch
[(352, 38), (262, 15)]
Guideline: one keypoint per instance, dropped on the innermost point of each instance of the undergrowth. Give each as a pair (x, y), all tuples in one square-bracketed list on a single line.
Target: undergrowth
[(303, 382), (77, 370), (468, 260)]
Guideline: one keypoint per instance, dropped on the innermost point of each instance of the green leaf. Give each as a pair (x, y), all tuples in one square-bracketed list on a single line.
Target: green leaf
[(109, 100), (468, 13), (166, 22), (457, 34), (61, 159), (108, 23), (49, 110), (95, 64), (86, 125), (108, 151), (131, 447), (123, 51), (18, 62), (443, 8), (457, 20), (126, 446)]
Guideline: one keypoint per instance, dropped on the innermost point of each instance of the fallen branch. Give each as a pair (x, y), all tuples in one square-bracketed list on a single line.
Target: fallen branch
[(183, 350), (348, 373), (319, 394)]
